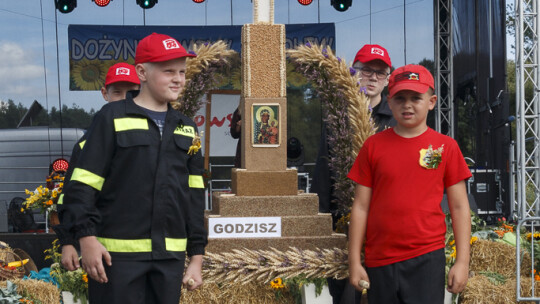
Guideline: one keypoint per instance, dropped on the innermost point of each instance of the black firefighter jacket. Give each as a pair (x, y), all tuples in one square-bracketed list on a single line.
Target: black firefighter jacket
[(140, 193)]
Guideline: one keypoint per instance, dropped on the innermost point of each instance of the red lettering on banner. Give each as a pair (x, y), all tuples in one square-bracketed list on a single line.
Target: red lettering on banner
[(229, 118), (199, 120), (217, 122)]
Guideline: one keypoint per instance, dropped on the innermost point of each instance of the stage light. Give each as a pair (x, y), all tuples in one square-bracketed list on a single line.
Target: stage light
[(59, 165), (305, 2), (341, 5), (102, 3), (198, 1), (65, 6), (146, 4)]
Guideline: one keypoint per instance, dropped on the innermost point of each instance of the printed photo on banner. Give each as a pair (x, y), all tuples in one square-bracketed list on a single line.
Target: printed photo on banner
[(266, 125)]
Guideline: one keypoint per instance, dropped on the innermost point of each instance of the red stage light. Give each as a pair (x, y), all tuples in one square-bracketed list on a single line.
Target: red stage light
[(305, 2), (102, 3), (60, 165), (198, 1)]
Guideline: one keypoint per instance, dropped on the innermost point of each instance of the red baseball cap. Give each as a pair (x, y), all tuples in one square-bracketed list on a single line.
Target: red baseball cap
[(158, 48), (122, 72), (370, 52), (410, 77)]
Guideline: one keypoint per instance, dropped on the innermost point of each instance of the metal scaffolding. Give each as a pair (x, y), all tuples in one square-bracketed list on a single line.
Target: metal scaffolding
[(444, 84), (527, 162)]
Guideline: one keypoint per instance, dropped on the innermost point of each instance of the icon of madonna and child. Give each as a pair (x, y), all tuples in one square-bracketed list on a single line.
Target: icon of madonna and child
[(265, 125)]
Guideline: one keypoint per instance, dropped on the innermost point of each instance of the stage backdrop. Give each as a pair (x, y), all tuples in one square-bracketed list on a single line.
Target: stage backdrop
[(94, 48)]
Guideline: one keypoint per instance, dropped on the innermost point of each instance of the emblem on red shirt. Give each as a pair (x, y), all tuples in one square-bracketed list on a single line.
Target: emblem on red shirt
[(429, 158)]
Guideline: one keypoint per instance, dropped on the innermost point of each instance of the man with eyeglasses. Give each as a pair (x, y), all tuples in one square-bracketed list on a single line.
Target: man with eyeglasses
[(372, 64)]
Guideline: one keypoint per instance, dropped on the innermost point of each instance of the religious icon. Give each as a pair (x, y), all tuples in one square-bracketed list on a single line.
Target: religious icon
[(265, 125)]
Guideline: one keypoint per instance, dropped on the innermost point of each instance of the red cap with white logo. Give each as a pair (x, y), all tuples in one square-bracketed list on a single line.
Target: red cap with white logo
[(158, 48), (121, 72), (411, 77), (370, 52)]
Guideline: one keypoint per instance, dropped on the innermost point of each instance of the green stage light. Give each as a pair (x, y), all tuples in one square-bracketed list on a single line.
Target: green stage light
[(341, 5), (146, 4), (65, 6)]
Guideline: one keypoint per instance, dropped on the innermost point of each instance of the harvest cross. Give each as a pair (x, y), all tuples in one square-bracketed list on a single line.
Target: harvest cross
[(263, 11)]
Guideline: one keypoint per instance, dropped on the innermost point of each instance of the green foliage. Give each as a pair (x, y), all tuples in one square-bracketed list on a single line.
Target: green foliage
[(495, 278), (528, 35), (74, 117), (9, 294), (294, 285), (477, 224), (75, 282)]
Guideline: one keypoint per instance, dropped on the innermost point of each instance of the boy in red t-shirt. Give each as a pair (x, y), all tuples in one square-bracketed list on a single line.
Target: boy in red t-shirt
[(401, 175)]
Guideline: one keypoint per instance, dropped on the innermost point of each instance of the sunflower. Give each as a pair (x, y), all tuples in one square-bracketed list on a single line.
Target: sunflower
[(277, 283), (88, 75)]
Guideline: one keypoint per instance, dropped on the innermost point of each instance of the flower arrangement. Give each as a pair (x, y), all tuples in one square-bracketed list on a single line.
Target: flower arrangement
[(201, 75), (45, 198), (75, 282), (294, 286), (346, 111)]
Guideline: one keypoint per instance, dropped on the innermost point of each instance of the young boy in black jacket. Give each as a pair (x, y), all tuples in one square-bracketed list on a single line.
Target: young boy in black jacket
[(135, 200)]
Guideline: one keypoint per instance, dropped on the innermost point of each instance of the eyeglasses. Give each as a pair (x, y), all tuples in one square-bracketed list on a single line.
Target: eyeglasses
[(369, 72)]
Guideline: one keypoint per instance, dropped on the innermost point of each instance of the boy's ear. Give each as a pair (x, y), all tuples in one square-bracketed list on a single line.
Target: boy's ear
[(104, 93), (141, 71), (432, 101)]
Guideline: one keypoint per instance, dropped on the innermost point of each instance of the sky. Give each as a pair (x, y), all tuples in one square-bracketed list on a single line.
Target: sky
[(34, 63)]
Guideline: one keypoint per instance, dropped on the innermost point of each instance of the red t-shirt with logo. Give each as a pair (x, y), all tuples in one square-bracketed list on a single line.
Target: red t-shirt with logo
[(405, 218)]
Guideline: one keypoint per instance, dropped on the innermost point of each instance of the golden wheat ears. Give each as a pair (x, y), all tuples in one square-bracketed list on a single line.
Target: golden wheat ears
[(340, 74), (243, 266)]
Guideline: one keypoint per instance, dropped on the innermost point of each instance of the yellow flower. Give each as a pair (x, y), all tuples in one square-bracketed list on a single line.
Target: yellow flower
[(454, 252), (22, 210), (85, 278), (277, 283), (474, 239), (452, 242)]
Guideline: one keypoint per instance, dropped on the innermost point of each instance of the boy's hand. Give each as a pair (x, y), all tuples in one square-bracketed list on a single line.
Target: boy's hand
[(193, 276), (358, 277), (457, 277), (70, 257), (93, 253)]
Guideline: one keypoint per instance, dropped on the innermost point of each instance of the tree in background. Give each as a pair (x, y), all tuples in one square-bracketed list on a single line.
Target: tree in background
[(74, 117)]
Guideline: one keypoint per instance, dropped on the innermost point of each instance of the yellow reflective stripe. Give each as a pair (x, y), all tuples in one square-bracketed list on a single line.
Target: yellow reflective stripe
[(186, 131), (128, 123), (81, 144), (141, 245), (118, 245), (196, 181), (60, 199), (175, 244), (86, 177)]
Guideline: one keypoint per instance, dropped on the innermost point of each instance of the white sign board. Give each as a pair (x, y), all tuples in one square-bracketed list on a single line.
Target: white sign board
[(221, 142), (244, 227)]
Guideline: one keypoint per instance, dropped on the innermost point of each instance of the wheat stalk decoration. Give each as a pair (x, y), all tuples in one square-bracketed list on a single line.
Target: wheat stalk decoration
[(202, 75), (343, 77), (244, 266), (346, 112)]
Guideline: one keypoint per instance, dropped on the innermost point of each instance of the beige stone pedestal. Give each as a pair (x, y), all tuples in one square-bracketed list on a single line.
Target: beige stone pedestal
[(302, 224)]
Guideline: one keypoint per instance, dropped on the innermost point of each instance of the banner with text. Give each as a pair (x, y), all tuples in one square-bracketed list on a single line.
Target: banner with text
[(94, 48)]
